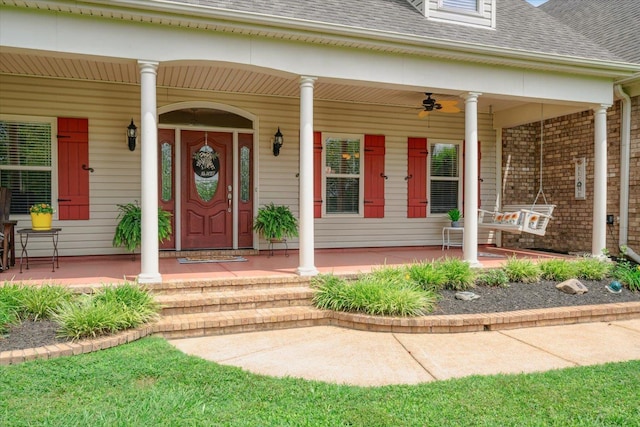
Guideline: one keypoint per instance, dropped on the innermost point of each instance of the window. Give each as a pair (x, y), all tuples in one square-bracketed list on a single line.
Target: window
[(26, 158), (466, 5), (444, 173), (342, 174)]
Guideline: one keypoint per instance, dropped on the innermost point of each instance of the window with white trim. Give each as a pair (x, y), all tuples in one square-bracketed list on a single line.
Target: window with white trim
[(26, 159), (342, 174), (444, 177)]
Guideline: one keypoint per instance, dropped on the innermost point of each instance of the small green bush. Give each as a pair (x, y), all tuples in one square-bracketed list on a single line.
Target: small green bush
[(8, 316), (592, 269), (42, 302), (494, 277), (521, 270), (382, 293), (558, 269), (138, 305), (89, 318), (10, 299), (459, 275), (628, 274), (427, 276)]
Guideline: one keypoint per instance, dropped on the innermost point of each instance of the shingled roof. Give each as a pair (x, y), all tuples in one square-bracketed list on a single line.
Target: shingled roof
[(520, 27), (614, 24)]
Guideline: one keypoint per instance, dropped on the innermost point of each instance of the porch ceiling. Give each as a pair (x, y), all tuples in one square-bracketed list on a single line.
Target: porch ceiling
[(220, 78)]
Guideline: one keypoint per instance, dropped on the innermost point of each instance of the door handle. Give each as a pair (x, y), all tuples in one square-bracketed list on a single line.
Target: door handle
[(229, 197)]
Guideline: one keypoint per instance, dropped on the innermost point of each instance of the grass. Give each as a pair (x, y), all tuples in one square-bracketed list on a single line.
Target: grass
[(149, 383)]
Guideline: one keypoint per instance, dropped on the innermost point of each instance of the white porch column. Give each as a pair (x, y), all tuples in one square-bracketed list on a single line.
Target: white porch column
[(150, 271), (306, 253), (470, 250), (599, 239)]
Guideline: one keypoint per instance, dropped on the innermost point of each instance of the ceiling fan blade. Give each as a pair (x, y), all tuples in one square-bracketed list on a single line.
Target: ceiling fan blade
[(449, 107), (422, 114)]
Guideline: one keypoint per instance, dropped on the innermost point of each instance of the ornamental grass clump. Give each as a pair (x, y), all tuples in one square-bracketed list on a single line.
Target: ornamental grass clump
[(558, 270), (592, 269), (459, 275), (495, 277), (521, 270), (628, 274), (427, 275), (43, 302), (8, 316), (110, 310), (383, 293)]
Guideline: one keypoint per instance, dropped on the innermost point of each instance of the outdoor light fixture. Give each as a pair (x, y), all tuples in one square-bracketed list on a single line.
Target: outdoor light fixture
[(132, 134), (278, 142)]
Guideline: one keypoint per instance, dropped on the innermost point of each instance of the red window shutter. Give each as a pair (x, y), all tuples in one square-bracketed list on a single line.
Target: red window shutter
[(417, 178), (73, 164), (374, 176), (317, 174)]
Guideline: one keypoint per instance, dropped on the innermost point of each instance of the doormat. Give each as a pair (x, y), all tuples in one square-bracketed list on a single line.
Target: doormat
[(210, 258)]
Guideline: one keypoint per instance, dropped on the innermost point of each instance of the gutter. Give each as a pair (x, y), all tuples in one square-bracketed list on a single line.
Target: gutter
[(625, 152)]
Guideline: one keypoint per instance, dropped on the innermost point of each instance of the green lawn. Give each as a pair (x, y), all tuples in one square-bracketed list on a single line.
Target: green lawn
[(149, 383)]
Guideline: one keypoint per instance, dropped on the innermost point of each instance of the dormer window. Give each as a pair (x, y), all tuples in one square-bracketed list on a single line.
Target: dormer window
[(477, 13), (459, 5)]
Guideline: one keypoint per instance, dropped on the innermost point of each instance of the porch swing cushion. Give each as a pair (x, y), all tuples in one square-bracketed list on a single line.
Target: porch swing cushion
[(517, 218)]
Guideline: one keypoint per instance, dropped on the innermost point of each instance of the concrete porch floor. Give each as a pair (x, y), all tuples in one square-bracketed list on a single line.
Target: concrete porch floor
[(96, 270)]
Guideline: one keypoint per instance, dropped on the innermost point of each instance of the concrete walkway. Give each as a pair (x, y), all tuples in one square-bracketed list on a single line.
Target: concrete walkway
[(344, 356)]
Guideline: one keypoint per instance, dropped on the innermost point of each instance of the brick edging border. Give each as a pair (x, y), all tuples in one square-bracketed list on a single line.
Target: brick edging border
[(71, 348)]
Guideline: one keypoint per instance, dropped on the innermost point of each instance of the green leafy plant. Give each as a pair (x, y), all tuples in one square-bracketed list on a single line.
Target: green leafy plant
[(628, 273), (41, 208), (459, 275), (493, 277), (129, 229), (593, 268), (427, 275), (380, 293), (558, 269), (8, 316), (276, 222), (454, 215), (521, 270), (43, 302)]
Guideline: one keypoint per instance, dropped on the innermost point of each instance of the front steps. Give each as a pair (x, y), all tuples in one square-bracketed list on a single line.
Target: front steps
[(216, 307), (229, 306)]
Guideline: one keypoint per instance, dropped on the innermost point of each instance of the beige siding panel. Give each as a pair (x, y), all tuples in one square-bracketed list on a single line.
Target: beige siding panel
[(116, 180)]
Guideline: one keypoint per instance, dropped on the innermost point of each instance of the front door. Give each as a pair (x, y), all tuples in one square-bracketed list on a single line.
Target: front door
[(206, 188)]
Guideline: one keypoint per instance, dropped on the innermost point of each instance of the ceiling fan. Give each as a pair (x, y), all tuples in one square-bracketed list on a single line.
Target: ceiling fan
[(430, 104)]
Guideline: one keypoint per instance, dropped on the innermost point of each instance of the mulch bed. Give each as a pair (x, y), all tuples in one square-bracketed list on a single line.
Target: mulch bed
[(518, 296)]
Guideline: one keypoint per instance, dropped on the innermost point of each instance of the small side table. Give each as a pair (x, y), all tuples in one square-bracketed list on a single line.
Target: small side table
[(446, 237), (275, 241), (24, 241)]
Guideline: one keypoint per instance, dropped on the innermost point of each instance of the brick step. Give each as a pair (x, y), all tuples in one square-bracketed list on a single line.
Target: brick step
[(231, 322), (215, 300), (228, 284)]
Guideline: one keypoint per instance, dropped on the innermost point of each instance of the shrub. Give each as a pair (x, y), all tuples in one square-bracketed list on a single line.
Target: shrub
[(459, 275), (42, 302), (8, 316), (89, 318), (557, 269), (379, 293), (137, 304), (592, 269), (427, 276), (493, 277), (628, 273), (521, 270), (10, 296)]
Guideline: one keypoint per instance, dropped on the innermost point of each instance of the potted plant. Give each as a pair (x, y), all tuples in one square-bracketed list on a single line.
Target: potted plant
[(454, 215), (129, 228), (41, 216), (276, 222)]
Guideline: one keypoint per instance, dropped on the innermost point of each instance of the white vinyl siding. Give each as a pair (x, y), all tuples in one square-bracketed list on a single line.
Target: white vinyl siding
[(116, 177)]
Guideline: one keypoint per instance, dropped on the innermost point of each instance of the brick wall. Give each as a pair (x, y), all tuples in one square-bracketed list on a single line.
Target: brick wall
[(566, 139)]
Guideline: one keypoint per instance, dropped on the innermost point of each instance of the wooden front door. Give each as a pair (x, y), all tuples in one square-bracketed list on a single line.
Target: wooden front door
[(206, 184)]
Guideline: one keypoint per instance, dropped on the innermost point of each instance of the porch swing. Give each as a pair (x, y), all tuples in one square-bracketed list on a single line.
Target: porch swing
[(518, 219)]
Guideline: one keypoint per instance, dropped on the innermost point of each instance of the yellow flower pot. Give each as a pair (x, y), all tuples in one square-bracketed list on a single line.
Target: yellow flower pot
[(41, 221)]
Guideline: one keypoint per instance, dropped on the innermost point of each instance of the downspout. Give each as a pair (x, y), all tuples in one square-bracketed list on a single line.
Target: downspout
[(625, 152)]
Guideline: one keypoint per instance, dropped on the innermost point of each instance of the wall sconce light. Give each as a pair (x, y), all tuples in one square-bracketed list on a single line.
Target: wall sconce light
[(132, 134), (278, 142)]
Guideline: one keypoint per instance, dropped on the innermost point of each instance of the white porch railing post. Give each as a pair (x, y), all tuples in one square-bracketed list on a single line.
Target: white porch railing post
[(470, 250), (599, 239), (149, 249), (306, 253)]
